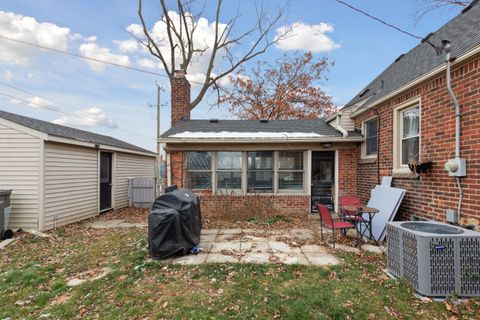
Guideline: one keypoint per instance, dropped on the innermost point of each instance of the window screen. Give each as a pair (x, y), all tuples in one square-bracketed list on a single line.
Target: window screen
[(260, 171), (199, 170), (290, 170)]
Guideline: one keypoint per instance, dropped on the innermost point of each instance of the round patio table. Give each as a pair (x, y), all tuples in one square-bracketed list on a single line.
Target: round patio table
[(360, 210)]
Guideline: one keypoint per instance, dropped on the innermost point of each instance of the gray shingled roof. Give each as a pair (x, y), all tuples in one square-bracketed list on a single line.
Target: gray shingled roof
[(290, 126), (67, 132), (464, 34)]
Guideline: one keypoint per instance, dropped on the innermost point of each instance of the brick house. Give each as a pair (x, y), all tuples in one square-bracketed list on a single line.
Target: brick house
[(289, 163), (405, 114)]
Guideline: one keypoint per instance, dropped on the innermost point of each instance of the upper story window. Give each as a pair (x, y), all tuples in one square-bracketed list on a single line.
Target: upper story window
[(199, 170), (410, 134), (290, 170), (260, 171), (229, 171), (371, 132)]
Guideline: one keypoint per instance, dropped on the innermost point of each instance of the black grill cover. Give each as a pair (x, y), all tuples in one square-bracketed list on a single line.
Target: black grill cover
[(174, 224)]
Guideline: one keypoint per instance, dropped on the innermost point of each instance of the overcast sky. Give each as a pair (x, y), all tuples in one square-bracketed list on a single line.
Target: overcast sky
[(114, 101)]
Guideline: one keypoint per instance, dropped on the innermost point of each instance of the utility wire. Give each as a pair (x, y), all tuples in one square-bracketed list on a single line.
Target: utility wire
[(437, 49), (55, 109), (88, 58), (28, 92), (81, 56)]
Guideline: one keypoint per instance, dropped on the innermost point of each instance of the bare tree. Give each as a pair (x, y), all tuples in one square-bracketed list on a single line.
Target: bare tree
[(423, 7), (181, 26)]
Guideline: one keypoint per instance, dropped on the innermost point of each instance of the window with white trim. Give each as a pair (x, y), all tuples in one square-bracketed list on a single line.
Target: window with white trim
[(371, 142), (260, 171), (409, 135), (199, 170), (229, 171), (290, 171)]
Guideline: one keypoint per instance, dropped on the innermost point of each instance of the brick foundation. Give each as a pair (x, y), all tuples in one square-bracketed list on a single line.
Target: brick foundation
[(431, 194), (253, 205)]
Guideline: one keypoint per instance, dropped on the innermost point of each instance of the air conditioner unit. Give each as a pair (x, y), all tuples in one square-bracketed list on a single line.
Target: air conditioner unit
[(437, 259)]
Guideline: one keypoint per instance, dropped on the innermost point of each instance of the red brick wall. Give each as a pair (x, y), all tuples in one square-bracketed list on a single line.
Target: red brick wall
[(177, 165), (431, 194), (180, 96), (347, 168), (253, 205)]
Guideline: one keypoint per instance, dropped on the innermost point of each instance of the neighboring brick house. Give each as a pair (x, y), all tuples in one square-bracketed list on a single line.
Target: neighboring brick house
[(405, 113)]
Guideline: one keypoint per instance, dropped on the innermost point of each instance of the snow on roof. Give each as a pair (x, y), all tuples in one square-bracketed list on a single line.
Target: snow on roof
[(256, 135)]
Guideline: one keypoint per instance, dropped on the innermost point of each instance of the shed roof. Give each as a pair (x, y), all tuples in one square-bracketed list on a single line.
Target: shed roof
[(463, 32), (69, 133)]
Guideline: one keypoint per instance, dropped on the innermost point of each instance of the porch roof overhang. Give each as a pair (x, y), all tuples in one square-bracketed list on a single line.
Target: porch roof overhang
[(230, 140)]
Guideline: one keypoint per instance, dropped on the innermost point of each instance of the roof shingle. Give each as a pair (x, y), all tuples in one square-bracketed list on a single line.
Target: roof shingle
[(318, 127), (463, 32), (67, 132)]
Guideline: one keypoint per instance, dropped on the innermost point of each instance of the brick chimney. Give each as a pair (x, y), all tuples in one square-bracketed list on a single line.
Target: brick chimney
[(180, 97)]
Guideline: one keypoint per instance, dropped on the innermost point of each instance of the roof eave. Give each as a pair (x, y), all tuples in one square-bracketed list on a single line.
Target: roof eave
[(257, 140), (88, 144), (409, 85)]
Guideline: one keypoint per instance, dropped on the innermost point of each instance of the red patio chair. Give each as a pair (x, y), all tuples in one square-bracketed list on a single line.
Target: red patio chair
[(350, 201), (327, 220)]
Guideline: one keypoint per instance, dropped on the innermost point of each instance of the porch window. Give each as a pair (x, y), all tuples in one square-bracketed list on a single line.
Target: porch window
[(290, 170), (371, 137), (199, 170), (410, 134), (260, 171), (229, 172)]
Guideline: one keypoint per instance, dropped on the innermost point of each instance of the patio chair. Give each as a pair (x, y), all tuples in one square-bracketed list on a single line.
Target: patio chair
[(350, 201), (328, 221)]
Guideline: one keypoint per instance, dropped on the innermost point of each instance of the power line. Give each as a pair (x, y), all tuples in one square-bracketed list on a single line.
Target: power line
[(89, 58), (55, 109), (82, 56), (27, 92), (437, 49)]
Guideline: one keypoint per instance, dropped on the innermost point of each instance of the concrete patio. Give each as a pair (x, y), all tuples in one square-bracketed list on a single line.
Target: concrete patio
[(258, 246)]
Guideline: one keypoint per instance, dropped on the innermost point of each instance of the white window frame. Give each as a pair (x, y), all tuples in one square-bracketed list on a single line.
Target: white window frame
[(213, 160), (364, 144), (228, 170), (276, 157), (274, 169), (398, 167), (278, 170)]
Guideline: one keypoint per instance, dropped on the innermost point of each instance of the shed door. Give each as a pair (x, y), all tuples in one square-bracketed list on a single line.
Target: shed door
[(105, 181)]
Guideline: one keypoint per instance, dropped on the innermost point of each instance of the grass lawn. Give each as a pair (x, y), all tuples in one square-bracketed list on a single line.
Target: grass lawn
[(34, 273)]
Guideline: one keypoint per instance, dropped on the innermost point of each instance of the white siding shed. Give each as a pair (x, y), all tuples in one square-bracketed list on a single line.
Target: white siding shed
[(54, 172)]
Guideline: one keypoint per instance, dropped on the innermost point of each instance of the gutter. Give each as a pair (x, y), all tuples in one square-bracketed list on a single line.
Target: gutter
[(238, 141), (339, 127), (420, 79)]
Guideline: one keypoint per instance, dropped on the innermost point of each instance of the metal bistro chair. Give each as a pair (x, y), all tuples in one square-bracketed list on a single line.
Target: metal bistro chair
[(348, 201), (328, 221), (356, 217)]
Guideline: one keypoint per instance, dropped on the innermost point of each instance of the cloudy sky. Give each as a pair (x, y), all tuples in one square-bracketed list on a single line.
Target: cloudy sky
[(114, 101)]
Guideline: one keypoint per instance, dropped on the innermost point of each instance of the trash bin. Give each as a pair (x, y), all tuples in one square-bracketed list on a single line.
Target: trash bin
[(5, 210), (174, 224)]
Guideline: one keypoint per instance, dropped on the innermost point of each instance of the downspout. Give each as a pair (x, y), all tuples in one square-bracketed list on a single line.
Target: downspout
[(339, 127), (169, 170), (378, 145), (448, 49)]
